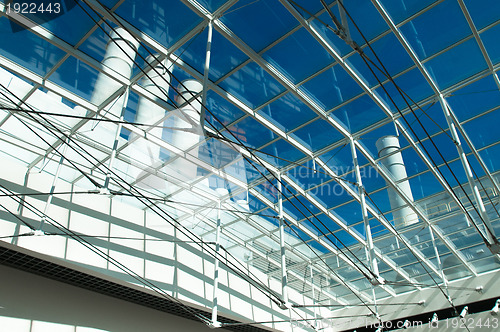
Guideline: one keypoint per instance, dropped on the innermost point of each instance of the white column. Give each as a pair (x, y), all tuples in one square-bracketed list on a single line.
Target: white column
[(187, 132), (389, 149), (156, 82), (119, 59)]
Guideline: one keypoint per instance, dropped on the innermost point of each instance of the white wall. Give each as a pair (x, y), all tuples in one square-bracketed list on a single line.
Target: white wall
[(180, 269), (31, 303)]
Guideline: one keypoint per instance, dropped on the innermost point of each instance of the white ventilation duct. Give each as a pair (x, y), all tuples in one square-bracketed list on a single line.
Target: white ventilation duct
[(148, 112), (118, 59), (389, 150), (187, 131)]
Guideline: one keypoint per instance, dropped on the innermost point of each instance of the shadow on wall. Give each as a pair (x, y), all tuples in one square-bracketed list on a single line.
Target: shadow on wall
[(31, 303), (179, 268)]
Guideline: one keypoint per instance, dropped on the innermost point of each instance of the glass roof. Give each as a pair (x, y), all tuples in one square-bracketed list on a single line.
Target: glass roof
[(295, 99)]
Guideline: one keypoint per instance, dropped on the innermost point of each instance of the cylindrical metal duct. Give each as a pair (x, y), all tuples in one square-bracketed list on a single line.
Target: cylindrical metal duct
[(187, 130), (148, 112), (118, 59), (389, 150)]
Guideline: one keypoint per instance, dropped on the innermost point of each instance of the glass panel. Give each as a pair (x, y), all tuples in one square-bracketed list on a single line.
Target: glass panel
[(475, 98), (339, 160), (322, 24), (483, 131), (95, 46), (71, 23), (367, 19), (331, 194), (490, 40), (76, 76), (224, 56), (350, 212), (259, 23), (252, 85), (308, 175), (490, 157), (251, 133), (425, 184), (391, 53), (39, 57), (299, 207), (457, 64), (401, 10), (413, 86), (109, 3), (434, 30), (483, 12), (289, 55), (220, 110), (318, 134), (431, 117), (288, 112), (332, 87), (165, 22), (362, 70), (358, 114), (284, 152), (212, 5)]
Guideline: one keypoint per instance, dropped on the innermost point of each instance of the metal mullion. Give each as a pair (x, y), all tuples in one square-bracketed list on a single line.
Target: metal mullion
[(292, 273), (272, 237), (382, 220), (164, 52), (80, 124), (375, 98), (276, 74), (387, 111), (39, 80), (412, 205), (313, 236), (59, 43), (472, 26), (490, 232), (20, 143), (21, 102), (364, 211)]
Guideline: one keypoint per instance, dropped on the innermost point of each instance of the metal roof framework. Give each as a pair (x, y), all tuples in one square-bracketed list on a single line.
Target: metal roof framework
[(351, 235)]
